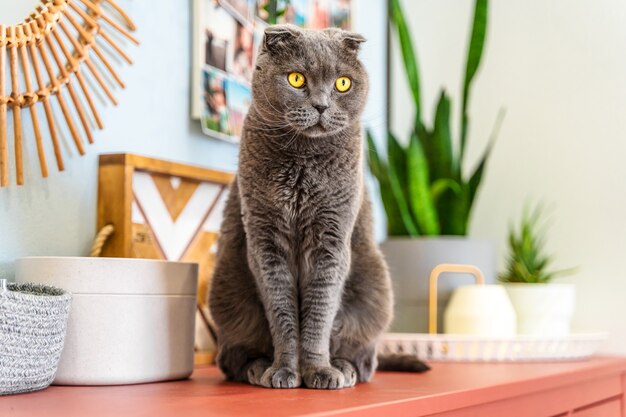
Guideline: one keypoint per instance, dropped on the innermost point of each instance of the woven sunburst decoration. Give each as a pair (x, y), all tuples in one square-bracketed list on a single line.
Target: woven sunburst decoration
[(42, 60)]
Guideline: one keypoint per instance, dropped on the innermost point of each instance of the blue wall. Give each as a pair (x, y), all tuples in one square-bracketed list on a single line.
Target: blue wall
[(57, 216)]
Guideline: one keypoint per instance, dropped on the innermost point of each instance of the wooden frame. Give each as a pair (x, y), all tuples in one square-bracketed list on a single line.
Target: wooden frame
[(164, 210)]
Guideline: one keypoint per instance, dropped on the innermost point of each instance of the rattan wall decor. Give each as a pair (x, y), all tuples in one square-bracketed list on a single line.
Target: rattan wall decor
[(41, 63)]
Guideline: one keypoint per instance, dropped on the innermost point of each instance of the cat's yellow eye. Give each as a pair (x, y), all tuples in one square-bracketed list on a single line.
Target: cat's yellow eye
[(296, 79), (343, 84)]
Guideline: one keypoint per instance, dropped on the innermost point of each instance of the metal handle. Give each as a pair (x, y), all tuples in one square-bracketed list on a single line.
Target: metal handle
[(434, 276)]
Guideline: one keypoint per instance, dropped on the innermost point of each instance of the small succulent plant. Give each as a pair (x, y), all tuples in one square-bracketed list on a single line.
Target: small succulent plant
[(527, 261)]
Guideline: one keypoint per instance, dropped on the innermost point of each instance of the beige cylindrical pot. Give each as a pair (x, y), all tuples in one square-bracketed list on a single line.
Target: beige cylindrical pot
[(410, 262), (480, 310), (543, 309), (132, 320)]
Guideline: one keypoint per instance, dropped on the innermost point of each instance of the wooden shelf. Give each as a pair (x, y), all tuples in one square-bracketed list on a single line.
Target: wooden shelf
[(587, 388)]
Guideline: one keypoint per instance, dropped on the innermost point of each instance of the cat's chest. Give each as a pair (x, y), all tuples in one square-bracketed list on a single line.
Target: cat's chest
[(303, 187), (296, 184)]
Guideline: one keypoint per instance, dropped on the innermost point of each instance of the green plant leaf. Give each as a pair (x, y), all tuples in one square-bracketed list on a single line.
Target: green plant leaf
[(408, 52), (396, 156), (421, 200), (439, 146), (373, 159), (453, 208), (474, 55), (477, 175), (270, 8), (401, 201), (526, 261), (395, 222), (452, 202), (442, 185)]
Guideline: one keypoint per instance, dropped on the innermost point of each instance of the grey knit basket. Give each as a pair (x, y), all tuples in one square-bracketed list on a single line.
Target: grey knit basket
[(33, 319)]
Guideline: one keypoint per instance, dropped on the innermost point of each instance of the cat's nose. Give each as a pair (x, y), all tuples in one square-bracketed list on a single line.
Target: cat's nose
[(320, 107)]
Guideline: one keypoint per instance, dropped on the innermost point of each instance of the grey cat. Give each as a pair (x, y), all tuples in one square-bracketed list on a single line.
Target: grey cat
[(300, 292)]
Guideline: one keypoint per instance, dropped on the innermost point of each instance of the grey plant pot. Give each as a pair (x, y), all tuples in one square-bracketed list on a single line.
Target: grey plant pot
[(33, 320), (410, 262)]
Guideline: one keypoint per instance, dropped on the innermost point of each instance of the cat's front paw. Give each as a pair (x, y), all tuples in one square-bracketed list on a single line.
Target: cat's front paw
[(280, 378), (348, 370), (257, 370), (323, 377)]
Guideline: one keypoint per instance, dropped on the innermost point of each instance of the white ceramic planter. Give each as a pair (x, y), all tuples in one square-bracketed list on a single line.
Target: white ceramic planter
[(132, 320), (543, 309), (410, 262)]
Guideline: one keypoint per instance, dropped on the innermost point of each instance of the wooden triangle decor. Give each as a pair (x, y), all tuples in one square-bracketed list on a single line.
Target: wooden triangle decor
[(175, 199), (46, 55)]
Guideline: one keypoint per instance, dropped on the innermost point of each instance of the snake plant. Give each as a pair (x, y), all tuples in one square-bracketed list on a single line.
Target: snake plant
[(422, 185)]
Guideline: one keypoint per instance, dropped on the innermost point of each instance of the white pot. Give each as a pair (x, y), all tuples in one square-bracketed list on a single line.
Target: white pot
[(131, 321), (410, 262), (481, 310), (543, 309)]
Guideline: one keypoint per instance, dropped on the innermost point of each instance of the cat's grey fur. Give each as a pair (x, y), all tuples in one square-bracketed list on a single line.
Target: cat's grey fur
[(300, 292)]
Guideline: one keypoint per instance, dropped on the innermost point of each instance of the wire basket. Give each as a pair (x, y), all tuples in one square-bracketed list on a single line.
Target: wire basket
[(33, 320), (466, 348)]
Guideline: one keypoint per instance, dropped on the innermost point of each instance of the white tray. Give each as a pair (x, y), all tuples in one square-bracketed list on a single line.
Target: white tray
[(465, 348)]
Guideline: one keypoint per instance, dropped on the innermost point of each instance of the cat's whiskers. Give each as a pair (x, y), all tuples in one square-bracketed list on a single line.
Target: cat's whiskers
[(269, 102), (274, 131), (291, 140), (376, 120), (267, 114), (269, 118), (266, 127)]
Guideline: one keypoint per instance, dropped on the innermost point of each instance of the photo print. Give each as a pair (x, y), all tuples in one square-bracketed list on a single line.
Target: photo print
[(215, 115), (227, 35)]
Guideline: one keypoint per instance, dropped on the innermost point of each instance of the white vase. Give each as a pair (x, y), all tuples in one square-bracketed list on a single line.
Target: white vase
[(131, 320), (543, 309), (480, 310), (410, 262)]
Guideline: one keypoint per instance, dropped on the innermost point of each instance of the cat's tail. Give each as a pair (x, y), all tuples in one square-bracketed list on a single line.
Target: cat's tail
[(401, 363)]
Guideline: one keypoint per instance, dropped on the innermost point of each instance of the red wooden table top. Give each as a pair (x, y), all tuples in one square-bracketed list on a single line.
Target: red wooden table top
[(446, 387)]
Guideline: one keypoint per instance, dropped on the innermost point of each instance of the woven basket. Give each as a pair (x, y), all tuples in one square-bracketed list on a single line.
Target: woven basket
[(33, 320)]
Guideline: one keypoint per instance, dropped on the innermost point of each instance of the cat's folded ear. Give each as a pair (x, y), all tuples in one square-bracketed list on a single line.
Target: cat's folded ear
[(351, 41), (279, 37)]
